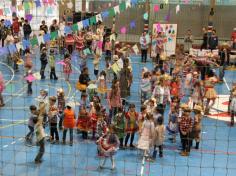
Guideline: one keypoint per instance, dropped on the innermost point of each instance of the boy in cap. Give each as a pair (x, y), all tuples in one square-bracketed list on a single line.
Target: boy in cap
[(52, 65), (44, 62)]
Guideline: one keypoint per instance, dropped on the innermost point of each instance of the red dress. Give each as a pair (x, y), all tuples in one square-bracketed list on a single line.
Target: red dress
[(79, 40), (131, 122), (67, 67), (93, 122), (174, 89), (83, 122)]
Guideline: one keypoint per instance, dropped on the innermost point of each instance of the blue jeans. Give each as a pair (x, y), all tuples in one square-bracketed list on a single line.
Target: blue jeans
[(221, 72)]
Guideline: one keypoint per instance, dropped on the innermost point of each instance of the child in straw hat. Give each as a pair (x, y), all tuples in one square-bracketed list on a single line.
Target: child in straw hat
[(197, 125)]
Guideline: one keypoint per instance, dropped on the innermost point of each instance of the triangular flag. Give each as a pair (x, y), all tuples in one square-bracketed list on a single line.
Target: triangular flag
[(1, 12), (112, 12), (92, 20), (26, 44), (122, 7), (34, 41), (46, 38), (186, 1), (12, 48), (29, 17), (128, 4), (99, 17), (117, 9), (75, 27), (26, 6), (123, 30), (145, 16), (7, 11), (177, 8), (67, 30), (20, 7), (80, 25), (86, 23), (54, 35), (19, 46), (135, 49), (134, 2), (156, 8), (105, 14), (166, 1), (132, 24), (49, 10), (37, 3), (40, 39)]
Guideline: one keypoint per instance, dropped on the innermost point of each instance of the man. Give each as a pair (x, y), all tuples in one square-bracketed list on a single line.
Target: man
[(15, 26), (213, 40), (144, 42), (205, 39), (3, 31), (43, 27), (188, 41), (27, 30), (233, 38)]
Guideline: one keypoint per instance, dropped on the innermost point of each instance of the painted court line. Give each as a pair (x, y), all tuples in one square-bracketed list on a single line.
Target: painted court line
[(13, 142), (13, 73), (226, 83), (5, 146)]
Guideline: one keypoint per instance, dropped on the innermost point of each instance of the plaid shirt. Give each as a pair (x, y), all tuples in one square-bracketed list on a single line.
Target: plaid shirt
[(186, 124)]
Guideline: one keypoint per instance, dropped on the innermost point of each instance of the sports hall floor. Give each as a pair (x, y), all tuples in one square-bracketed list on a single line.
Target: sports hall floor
[(216, 157)]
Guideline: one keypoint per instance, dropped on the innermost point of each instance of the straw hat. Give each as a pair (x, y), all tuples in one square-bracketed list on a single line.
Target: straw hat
[(185, 107), (198, 108), (115, 57), (20, 62), (60, 90)]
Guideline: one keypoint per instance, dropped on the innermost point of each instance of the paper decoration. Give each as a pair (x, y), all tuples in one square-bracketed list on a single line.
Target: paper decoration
[(158, 27), (61, 62), (128, 4), (19, 46), (1, 12), (69, 5), (7, 23), (40, 39), (46, 38), (92, 20), (37, 76), (99, 17), (54, 35), (122, 6), (105, 14), (186, 1), (156, 8), (177, 9), (86, 51), (86, 23), (80, 25), (117, 9), (7, 11), (132, 24), (34, 41), (26, 6), (13, 9), (166, 1), (123, 30), (20, 7), (30, 78), (52, 2), (134, 2), (49, 10), (37, 3), (167, 17), (112, 12), (116, 69), (26, 44), (135, 49), (145, 16), (67, 30), (75, 27), (12, 48), (29, 17)]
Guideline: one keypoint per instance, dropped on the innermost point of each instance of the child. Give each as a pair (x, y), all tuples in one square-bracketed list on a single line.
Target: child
[(82, 122), (52, 65), (40, 134), (108, 146), (96, 64), (197, 125), (68, 123), (151, 105), (29, 82), (28, 61), (172, 127), (102, 87), (44, 62), (61, 105), (145, 87), (159, 137), (142, 116), (84, 101), (2, 87), (67, 68), (107, 48), (233, 107), (101, 125), (52, 118), (119, 126), (33, 116), (131, 125)]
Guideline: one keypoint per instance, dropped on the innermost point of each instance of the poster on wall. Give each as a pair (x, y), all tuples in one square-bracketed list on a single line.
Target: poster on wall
[(168, 34)]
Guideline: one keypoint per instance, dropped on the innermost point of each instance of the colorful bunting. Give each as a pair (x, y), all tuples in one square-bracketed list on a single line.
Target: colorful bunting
[(177, 9), (156, 8), (80, 25), (92, 20), (112, 12), (54, 35), (1, 12), (29, 17), (123, 30), (20, 7), (75, 27), (122, 6), (145, 16), (49, 10), (134, 2), (37, 3), (128, 4), (86, 23), (26, 6), (26, 44), (117, 9), (132, 24), (46, 38), (7, 11), (105, 14), (99, 17), (34, 41)]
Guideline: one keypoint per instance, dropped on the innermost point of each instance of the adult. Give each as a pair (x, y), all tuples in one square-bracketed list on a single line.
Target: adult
[(213, 40), (205, 39), (188, 41), (43, 27), (27, 30), (114, 100), (159, 48), (144, 42), (145, 141), (126, 79), (2, 87), (54, 26), (3, 32), (15, 26), (233, 38)]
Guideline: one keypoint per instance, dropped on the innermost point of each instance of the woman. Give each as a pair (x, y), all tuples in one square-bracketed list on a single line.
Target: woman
[(2, 87), (84, 80), (79, 40), (68, 123), (114, 100), (145, 141), (161, 93), (67, 68)]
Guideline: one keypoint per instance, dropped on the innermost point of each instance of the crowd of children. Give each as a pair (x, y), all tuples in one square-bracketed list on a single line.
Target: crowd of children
[(178, 85)]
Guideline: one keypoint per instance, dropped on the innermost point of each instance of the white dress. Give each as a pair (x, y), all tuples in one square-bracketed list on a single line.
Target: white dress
[(146, 137)]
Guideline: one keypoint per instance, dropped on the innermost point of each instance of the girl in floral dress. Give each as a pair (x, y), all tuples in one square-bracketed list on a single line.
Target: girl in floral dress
[(67, 69)]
